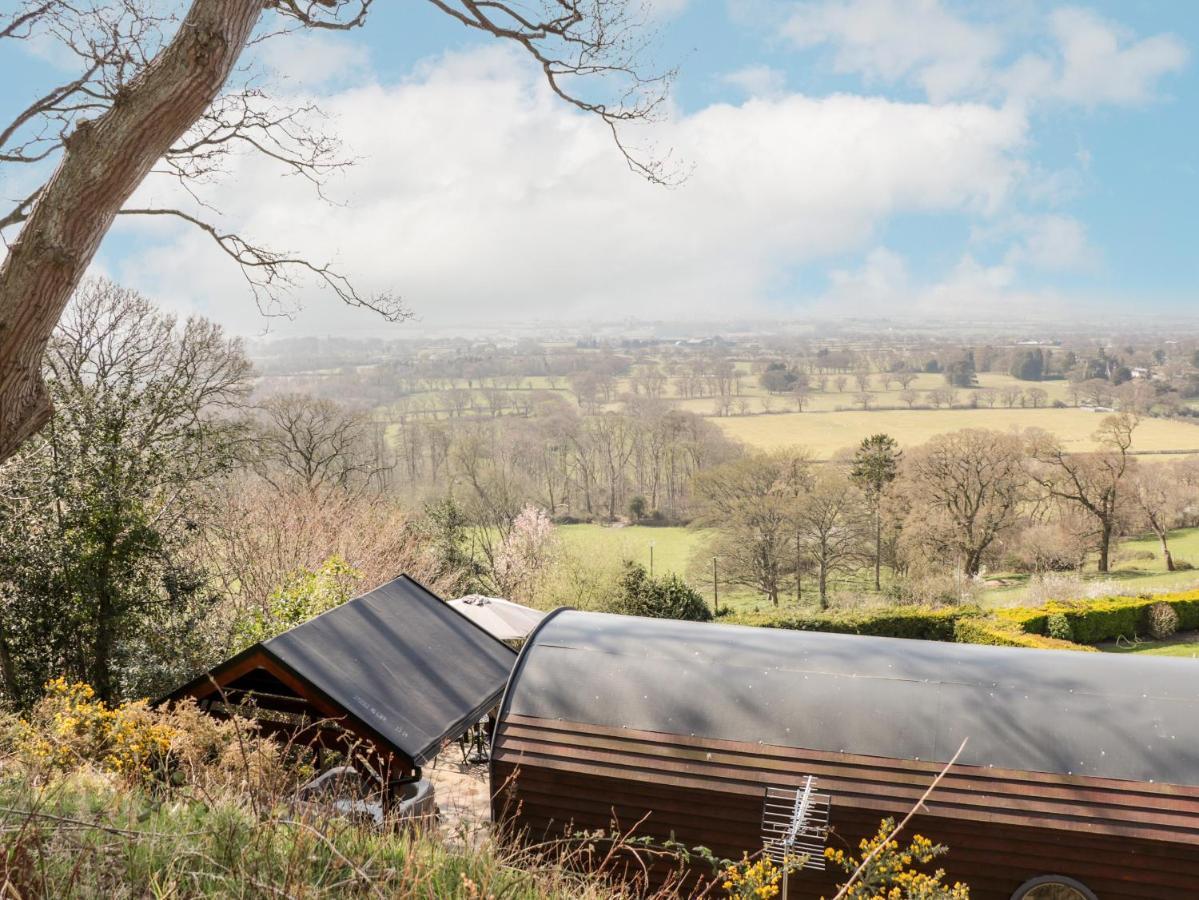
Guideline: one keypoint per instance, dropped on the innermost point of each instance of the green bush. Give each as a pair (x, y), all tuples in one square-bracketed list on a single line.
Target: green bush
[(1058, 626), (659, 598), (967, 625), (997, 633), (1107, 618)]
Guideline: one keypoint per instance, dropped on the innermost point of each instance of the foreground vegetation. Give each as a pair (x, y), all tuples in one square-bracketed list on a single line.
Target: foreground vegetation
[(127, 801)]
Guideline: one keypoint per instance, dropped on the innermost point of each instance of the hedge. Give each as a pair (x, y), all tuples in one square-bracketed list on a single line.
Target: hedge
[(967, 624), (996, 633), (1107, 618), (1090, 621), (920, 623)]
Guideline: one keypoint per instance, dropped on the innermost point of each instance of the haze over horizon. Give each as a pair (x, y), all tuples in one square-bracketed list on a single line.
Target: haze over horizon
[(908, 158)]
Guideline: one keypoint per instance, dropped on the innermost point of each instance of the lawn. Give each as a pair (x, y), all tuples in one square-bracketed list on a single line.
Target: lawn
[(824, 433), (1184, 645), (672, 546)]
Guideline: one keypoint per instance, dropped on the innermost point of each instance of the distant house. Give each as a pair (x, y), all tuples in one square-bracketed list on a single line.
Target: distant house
[(1079, 778)]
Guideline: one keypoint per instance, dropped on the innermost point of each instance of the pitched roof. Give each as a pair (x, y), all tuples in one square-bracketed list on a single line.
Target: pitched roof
[(399, 661), (1114, 716)]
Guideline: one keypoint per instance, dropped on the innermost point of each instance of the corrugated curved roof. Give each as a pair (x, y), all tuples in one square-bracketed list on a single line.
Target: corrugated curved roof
[(1051, 711)]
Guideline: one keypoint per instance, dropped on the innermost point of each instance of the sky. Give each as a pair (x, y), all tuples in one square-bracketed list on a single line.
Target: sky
[(897, 158)]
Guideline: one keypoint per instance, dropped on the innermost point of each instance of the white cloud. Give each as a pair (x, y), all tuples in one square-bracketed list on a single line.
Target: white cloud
[(1053, 242), (757, 81), (883, 286), (310, 60), (482, 196), (899, 40), (1100, 62), (1088, 60)]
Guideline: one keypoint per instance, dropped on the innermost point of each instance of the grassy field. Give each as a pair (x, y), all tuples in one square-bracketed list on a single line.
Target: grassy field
[(672, 547), (1128, 574), (680, 551), (826, 433), (1184, 645)]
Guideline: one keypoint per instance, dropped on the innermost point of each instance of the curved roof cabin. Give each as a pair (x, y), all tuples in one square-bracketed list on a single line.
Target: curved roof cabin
[(1080, 766)]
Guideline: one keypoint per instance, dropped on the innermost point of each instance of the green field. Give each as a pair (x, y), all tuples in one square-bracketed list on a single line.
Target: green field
[(679, 551), (1185, 645), (824, 433), (672, 547), (1128, 574)]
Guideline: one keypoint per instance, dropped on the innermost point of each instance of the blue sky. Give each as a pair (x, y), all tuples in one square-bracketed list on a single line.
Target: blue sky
[(847, 156)]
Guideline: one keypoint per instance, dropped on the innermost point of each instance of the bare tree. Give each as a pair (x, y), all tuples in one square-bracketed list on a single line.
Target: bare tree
[(316, 444), (832, 524), (1160, 496), (965, 489), (1092, 481), (1010, 394), (154, 94), (1036, 397)]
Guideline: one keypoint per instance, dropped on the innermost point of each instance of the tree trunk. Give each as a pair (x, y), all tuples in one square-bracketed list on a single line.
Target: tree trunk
[(973, 563), (1166, 552), (1105, 545), (823, 577), (878, 546), (103, 162)]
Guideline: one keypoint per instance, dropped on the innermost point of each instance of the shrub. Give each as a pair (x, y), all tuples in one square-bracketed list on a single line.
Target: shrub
[(997, 633), (894, 870), (69, 728), (1058, 626), (1106, 618), (920, 623), (668, 597), (1161, 621)]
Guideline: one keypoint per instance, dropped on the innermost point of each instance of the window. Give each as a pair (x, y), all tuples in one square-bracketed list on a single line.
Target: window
[(1053, 887)]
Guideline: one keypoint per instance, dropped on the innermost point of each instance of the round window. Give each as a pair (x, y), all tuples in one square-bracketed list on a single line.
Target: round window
[(1053, 887)]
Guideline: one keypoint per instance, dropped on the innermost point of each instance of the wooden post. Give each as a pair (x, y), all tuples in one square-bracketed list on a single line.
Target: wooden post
[(715, 589)]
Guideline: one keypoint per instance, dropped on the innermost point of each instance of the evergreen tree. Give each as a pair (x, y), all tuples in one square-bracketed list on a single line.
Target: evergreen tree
[(875, 466)]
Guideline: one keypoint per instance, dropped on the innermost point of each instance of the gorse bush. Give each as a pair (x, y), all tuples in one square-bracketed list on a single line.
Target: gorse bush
[(69, 727), (892, 872), (70, 730)]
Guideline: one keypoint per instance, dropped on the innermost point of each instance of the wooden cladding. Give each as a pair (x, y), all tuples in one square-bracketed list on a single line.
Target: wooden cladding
[(1123, 839)]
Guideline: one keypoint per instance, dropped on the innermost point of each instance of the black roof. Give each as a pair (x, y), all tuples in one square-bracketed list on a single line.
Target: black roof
[(398, 660), (1065, 712)]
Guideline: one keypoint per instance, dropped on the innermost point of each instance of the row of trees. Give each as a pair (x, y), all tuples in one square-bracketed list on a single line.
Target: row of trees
[(967, 499)]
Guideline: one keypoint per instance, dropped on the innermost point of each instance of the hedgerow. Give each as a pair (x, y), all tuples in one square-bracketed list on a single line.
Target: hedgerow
[(1107, 618)]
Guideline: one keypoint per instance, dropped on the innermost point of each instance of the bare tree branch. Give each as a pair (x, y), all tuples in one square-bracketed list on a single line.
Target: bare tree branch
[(265, 269)]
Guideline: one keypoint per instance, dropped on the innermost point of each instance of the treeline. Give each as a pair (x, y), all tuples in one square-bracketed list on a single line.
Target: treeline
[(938, 515)]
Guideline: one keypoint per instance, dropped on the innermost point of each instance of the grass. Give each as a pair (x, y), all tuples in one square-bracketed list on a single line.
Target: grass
[(1129, 573), (1184, 645), (824, 433), (672, 546), (681, 551)]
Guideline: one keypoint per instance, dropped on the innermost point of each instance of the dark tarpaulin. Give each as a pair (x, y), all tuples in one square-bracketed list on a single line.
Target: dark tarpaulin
[(1115, 716), (400, 661)]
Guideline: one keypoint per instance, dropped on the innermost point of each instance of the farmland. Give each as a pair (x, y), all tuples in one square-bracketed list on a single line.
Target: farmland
[(824, 433)]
